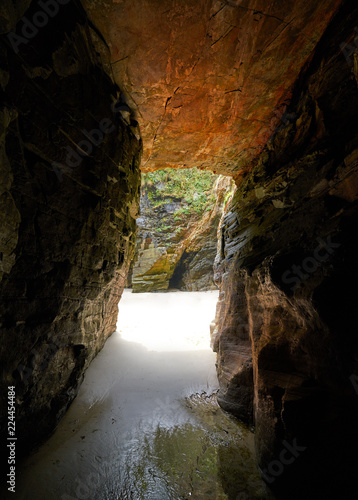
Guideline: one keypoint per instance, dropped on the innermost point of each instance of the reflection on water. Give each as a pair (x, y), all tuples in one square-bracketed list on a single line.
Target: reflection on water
[(146, 425), (208, 459)]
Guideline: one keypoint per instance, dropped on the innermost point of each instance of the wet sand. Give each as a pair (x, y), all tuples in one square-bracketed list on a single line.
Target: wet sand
[(145, 424)]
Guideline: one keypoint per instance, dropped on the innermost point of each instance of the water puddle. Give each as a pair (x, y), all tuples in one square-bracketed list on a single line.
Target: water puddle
[(145, 424), (210, 458)]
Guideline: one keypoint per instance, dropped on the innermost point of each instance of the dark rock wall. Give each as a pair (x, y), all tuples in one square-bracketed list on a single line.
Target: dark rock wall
[(67, 214), (286, 333)]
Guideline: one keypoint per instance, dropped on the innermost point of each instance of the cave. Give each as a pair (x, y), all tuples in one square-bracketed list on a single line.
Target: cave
[(176, 242), (176, 281), (95, 95)]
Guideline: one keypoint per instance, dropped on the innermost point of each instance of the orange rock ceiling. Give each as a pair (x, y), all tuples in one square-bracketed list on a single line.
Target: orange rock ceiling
[(208, 79)]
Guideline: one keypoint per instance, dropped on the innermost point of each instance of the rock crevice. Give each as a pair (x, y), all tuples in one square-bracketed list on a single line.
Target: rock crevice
[(285, 329)]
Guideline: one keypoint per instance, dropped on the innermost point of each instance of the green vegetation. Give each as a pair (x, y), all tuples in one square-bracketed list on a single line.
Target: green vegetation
[(190, 186), (228, 194)]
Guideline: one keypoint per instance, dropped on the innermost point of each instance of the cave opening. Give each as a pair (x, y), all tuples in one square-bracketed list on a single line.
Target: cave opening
[(176, 281), (170, 321), (93, 92), (176, 245)]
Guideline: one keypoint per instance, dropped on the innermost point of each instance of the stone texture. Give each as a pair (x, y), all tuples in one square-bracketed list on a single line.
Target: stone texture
[(285, 336), (176, 241), (209, 82), (67, 226), (151, 270), (209, 79)]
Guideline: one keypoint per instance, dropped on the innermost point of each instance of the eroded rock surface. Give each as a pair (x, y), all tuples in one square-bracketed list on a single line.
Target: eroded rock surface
[(177, 230), (286, 333), (208, 82), (209, 79), (67, 215)]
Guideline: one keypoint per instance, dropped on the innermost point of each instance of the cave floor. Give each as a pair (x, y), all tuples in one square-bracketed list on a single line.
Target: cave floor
[(145, 424)]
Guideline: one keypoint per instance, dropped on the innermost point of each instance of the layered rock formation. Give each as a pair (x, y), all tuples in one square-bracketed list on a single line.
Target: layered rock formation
[(286, 334), (69, 194), (209, 81), (177, 230)]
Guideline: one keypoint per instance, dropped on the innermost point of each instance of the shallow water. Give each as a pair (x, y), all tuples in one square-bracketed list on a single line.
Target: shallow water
[(145, 424)]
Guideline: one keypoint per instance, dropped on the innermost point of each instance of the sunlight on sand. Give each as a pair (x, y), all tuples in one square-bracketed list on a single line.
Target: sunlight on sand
[(146, 424), (181, 324)]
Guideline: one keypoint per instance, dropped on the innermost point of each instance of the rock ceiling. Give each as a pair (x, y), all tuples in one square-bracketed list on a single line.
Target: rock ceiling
[(208, 79)]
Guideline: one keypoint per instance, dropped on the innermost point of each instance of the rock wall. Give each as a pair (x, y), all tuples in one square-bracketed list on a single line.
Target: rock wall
[(286, 333), (177, 230), (69, 194), (69, 191)]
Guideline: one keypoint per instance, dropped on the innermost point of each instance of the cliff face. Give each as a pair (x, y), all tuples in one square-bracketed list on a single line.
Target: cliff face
[(69, 193), (177, 230), (213, 97), (285, 333)]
